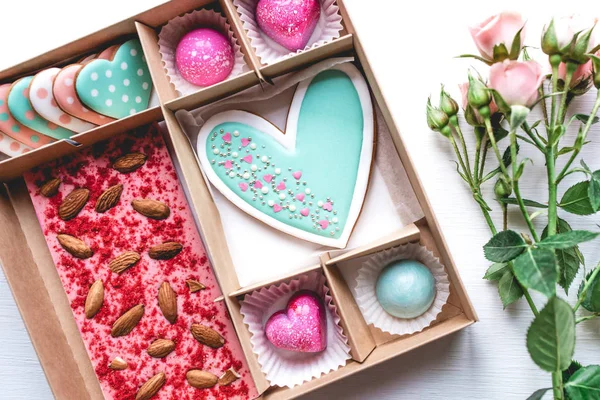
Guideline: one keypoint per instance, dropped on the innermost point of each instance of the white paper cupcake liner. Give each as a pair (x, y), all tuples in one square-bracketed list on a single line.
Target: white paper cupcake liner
[(176, 28), (366, 296), (286, 368), (328, 28)]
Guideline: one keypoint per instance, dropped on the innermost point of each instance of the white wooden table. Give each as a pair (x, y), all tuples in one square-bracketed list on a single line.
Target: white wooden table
[(411, 49)]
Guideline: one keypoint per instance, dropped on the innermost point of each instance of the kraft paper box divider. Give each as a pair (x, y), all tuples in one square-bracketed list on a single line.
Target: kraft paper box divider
[(33, 277)]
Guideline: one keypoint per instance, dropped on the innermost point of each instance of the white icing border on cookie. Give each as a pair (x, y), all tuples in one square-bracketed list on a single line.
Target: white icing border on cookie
[(288, 140)]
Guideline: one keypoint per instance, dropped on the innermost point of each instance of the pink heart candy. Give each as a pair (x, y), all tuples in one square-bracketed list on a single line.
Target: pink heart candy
[(268, 178), (305, 212), (258, 185), (281, 186), (297, 175), (248, 158), (300, 196), (245, 142), (301, 327), (324, 224), (327, 206), (289, 23), (244, 186), (226, 137), (228, 164), (277, 208)]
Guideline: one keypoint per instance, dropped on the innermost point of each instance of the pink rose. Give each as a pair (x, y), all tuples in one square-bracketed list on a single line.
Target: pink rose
[(464, 89), (567, 26), (582, 72), (496, 30), (517, 81)]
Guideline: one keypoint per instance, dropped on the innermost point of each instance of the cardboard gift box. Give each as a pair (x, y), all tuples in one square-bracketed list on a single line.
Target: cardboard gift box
[(34, 280)]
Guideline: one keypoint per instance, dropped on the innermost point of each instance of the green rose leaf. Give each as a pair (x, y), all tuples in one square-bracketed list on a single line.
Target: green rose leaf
[(573, 367), (551, 336), (495, 271), (528, 203), (567, 239), (568, 260), (584, 384), (538, 394), (504, 246), (591, 302), (536, 269), (584, 118), (509, 289), (576, 199), (594, 190)]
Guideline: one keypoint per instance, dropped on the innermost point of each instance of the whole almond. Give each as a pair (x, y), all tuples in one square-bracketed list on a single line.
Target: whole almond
[(151, 387), (76, 247), (126, 322), (207, 336), (129, 162), (94, 299), (228, 377), (161, 348), (50, 187), (73, 203), (165, 251), (201, 379), (151, 208), (109, 198), (118, 364), (167, 301), (194, 285), (124, 261)]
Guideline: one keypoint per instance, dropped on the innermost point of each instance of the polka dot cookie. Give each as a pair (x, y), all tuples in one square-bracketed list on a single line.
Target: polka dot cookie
[(20, 108), (11, 147), (116, 88), (14, 129), (66, 96), (42, 100)]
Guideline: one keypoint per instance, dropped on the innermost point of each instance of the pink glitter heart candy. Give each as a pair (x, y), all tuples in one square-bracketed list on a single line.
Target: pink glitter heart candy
[(244, 186), (324, 224), (301, 327), (277, 208), (247, 158), (258, 185), (305, 212), (288, 22), (297, 175), (281, 186), (226, 137), (327, 206), (300, 196), (245, 142), (268, 178), (228, 164)]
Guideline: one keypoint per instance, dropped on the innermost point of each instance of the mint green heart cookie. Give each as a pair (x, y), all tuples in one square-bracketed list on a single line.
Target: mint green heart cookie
[(116, 88)]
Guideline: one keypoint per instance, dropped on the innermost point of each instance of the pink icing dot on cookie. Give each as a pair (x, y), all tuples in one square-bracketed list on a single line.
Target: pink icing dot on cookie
[(248, 158), (42, 93), (65, 119), (14, 146), (227, 137), (268, 178), (245, 142), (29, 115), (297, 175), (26, 93), (305, 212), (327, 206), (258, 185), (276, 208), (52, 126), (243, 186), (300, 196), (324, 224), (281, 186)]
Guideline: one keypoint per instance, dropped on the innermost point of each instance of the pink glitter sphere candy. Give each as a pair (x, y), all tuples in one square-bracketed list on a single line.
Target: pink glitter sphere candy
[(301, 327), (288, 22), (204, 57)]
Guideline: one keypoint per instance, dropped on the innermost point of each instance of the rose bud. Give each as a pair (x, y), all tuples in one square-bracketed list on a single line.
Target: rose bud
[(448, 104), (502, 189), (580, 80), (494, 36), (559, 35), (517, 82), (596, 68), (478, 94), (437, 120), (472, 116)]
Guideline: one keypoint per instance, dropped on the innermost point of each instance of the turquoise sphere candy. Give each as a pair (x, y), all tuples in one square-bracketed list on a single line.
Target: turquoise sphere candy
[(405, 289)]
